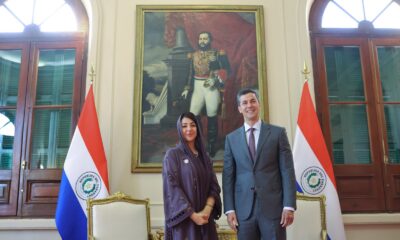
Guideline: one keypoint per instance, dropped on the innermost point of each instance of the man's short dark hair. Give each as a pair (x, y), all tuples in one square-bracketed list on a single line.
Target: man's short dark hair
[(245, 91), (208, 33)]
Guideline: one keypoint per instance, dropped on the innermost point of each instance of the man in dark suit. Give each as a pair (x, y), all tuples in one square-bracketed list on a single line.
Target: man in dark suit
[(258, 179)]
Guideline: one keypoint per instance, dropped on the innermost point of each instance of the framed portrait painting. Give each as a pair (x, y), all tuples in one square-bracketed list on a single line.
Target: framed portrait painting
[(193, 58)]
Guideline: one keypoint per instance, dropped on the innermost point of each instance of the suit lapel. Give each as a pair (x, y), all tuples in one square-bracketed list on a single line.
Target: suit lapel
[(264, 134)]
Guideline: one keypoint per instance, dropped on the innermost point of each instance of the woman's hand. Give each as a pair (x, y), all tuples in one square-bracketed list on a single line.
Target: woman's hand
[(207, 210), (199, 218)]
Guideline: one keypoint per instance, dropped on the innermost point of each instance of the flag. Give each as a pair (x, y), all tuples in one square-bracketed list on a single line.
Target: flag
[(84, 175), (313, 167)]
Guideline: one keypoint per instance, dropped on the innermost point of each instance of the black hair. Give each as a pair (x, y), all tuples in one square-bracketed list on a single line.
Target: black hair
[(245, 91), (199, 138), (208, 33), (189, 115)]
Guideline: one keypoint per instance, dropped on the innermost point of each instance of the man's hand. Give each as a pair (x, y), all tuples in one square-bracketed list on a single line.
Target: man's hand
[(232, 221), (199, 218), (185, 93), (210, 82), (287, 217), (212, 57)]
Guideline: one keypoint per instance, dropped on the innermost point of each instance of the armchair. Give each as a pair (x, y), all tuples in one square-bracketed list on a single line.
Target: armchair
[(118, 217), (310, 219)]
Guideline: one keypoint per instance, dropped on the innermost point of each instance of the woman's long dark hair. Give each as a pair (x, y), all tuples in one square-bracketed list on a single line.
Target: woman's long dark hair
[(198, 142)]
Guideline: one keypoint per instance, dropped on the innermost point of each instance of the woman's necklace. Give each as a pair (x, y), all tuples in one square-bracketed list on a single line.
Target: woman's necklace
[(195, 153), (194, 150)]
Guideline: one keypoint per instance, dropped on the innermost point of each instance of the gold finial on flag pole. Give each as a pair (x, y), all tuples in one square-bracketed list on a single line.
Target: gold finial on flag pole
[(92, 74), (305, 71)]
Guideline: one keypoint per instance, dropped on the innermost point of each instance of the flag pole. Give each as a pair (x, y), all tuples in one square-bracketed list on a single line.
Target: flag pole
[(312, 162), (92, 74), (305, 71), (85, 172)]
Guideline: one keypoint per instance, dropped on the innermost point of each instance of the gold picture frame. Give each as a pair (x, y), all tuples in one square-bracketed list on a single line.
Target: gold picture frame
[(166, 38)]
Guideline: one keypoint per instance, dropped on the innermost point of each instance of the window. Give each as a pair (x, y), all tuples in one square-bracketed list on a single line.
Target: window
[(42, 64), (351, 13), (356, 57), (47, 15)]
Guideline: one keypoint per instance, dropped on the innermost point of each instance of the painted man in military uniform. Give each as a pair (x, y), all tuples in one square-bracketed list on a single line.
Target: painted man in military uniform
[(208, 71)]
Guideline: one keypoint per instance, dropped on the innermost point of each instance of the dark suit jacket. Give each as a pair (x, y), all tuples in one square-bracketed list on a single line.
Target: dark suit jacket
[(271, 177)]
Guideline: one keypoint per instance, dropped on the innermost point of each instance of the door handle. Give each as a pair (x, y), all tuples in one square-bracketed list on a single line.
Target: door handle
[(23, 164)]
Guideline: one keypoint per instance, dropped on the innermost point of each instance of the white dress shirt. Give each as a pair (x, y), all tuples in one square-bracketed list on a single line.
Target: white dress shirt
[(256, 131)]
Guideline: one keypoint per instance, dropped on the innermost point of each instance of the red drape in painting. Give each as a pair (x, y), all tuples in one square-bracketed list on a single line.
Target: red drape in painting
[(234, 35)]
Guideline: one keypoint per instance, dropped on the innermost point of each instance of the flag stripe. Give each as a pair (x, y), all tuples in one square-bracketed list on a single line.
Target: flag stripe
[(313, 167), (298, 188), (73, 216), (303, 151), (307, 122), (84, 175), (86, 164), (89, 126)]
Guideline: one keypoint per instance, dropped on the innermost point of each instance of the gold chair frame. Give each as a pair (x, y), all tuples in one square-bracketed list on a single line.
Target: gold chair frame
[(228, 234), (116, 197), (321, 199)]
